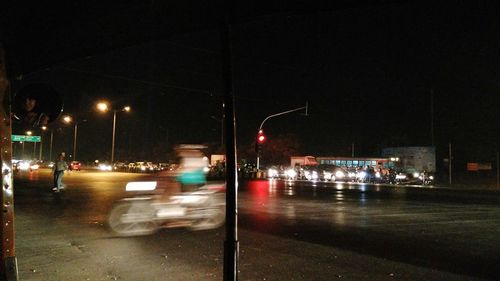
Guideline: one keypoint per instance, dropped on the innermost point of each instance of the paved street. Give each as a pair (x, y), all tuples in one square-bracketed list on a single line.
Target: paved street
[(288, 231)]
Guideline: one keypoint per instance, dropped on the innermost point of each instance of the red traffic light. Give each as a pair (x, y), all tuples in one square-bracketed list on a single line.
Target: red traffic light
[(261, 138)]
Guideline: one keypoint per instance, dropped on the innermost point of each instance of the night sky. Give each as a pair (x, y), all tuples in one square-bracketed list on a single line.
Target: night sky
[(368, 72)]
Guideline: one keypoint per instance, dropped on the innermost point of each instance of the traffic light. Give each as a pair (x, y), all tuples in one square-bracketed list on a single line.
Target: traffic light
[(261, 138)]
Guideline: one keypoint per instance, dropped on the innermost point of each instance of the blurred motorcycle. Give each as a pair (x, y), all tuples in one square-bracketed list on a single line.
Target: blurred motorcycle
[(145, 213), (426, 179)]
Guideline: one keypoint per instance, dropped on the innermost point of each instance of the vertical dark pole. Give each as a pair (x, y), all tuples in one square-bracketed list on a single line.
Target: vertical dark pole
[(498, 170), (8, 265), (449, 163), (432, 117), (41, 147), (51, 141), (231, 246), (74, 142)]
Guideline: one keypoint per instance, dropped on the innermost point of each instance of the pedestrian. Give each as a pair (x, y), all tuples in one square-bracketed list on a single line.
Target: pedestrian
[(59, 167)]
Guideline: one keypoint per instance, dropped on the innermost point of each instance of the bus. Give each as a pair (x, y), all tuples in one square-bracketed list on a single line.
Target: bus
[(358, 162)]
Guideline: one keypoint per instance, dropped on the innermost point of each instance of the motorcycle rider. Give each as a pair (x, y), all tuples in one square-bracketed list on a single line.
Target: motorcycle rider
[(192, 164)]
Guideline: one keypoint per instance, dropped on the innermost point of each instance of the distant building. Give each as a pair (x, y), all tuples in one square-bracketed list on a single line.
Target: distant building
[(415, 158)]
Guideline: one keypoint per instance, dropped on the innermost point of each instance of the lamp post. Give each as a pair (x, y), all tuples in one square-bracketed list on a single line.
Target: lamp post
[(104, 107), (68, 120), (30, 133), (45, 128)]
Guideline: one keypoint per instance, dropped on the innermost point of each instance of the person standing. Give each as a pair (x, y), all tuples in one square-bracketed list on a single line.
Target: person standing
[(59, 167)]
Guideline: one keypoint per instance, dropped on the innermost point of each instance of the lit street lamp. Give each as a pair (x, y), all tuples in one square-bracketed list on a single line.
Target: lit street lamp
[(104, 107)]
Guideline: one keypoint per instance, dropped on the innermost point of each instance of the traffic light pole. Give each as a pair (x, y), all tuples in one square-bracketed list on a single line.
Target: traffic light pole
[(274, 115)]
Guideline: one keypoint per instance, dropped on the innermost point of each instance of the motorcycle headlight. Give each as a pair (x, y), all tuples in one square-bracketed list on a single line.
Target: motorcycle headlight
[(141, 186), (431, 177), (400, 177), (416, 175)]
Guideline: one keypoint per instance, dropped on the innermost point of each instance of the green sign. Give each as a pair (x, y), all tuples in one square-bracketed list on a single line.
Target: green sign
[(26, 138)]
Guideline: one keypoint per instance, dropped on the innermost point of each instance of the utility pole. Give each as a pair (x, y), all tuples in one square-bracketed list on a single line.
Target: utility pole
[(41, 148), (231, 243), (432, 117), (449, 163), (498, 171), (51, 141), (74, 141)]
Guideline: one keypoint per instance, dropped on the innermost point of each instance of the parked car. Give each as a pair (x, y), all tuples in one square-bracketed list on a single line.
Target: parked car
[(75, 166)]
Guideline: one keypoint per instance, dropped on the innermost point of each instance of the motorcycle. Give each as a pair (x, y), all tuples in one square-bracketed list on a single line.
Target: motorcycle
[(146, 212), (426, 179)]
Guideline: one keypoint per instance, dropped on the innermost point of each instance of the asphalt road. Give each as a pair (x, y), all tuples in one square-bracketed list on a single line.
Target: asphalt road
[(287, 231)]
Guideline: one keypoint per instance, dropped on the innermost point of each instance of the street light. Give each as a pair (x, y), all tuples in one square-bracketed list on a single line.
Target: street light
[(261, 134), (45, 128), (104, 107), (68, 120), (29, 133)]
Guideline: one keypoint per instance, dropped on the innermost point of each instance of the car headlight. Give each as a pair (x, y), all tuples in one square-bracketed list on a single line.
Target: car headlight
[(416, 175), (339, 174), (361, 175), (24, 166), (103, 167), (272, 173), (291, 173)]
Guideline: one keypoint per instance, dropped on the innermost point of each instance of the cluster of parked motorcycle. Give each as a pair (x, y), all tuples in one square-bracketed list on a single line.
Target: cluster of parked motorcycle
[(334, 173)]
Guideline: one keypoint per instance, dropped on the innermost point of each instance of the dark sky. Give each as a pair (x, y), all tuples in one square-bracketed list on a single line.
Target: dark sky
[(366, 71)]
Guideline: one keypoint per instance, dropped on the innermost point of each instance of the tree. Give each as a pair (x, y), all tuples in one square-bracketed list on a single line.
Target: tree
[(278, 149)]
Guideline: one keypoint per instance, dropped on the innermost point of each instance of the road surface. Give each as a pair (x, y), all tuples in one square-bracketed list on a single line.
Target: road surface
[(287, 231)]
